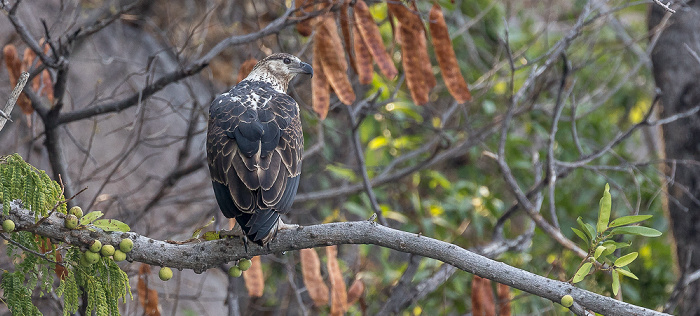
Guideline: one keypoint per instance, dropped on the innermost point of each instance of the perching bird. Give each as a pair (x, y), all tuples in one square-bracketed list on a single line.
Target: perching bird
[(254, 147)]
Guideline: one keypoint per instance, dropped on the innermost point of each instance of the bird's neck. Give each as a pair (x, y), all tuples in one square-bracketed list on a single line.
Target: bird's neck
[(266, 76)]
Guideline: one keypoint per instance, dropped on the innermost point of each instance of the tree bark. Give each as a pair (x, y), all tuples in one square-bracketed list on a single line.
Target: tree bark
[(677, 73)]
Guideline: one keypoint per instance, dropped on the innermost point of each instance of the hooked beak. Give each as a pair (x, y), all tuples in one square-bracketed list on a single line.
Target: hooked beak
[(306, 69)]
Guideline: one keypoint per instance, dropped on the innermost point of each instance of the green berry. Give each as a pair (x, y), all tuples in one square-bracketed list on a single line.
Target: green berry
[(244, 264), (126, 245), (107, 250), (77, 211), (119, 256), (91, 257), (165, 273), (8, 225), (84, 261), (235, 271), (71, 221), (567, 301), (96, 246)]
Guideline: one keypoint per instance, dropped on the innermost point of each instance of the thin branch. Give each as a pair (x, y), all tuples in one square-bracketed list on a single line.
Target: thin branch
[(5, 112)]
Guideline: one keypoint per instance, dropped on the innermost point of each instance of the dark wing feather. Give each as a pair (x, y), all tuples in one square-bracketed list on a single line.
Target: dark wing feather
[(254, 148)]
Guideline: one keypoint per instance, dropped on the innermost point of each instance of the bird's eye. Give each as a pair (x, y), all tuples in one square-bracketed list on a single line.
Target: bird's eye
[(287, 61)]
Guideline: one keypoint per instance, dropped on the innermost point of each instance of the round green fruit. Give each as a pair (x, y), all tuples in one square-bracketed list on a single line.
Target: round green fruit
[(77, 211), (8, 225), (119, 256), (84, 261), (96, 246), (235, 271), (107, 250), (71, 221), (91, 257), (165, 273), (244, 264), (567, 301), (126, 245)]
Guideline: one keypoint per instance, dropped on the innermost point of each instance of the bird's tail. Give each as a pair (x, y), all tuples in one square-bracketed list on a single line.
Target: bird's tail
[(260, 226)]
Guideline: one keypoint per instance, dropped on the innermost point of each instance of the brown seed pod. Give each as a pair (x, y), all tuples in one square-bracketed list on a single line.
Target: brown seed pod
[(334, 64), (444, 51), (345, 28), (503, 292), (320, 88), (339, 294), (363, 59), (357, 288), (254, 281), (311, 272), (414, 55), (373, 39)]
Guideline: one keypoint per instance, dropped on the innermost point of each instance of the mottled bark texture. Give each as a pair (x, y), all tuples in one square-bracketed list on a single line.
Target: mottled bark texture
[(677, 74)]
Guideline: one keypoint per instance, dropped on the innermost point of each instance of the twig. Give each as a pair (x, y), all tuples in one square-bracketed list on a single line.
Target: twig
[(5, 113), (666, 7)]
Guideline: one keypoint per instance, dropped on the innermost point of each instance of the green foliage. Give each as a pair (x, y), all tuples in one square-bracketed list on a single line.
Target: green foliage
[(103, 282), (20, 180), (601, 247)]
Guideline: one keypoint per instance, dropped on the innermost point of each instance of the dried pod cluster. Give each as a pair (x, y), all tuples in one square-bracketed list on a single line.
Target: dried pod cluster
[(362, 46)]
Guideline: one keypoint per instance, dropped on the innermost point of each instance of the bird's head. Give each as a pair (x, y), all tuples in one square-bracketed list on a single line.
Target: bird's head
[(279, 69)]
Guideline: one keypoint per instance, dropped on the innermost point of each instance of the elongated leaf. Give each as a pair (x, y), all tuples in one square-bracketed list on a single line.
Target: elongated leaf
[(610, 247), (582, 272), (598, 251), (586, 228), (604, 212), (615, 282), (626, 220), (626, 272), (330, 48), (197, 231), (636, 230), (111, 225), (581, 235), (253, 277), (89, 217), (626, 259), (355, 291)]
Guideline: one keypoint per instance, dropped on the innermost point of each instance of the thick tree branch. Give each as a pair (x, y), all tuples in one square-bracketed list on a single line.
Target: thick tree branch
[(208, 254)]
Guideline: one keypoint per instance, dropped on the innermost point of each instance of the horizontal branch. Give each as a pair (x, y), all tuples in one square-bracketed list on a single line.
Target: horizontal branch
[(201, 256)]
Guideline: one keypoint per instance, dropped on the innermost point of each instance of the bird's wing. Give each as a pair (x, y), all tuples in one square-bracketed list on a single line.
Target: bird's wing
[(254, 147)]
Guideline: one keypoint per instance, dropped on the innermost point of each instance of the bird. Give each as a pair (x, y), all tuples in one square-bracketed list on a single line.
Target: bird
[(254, 147)]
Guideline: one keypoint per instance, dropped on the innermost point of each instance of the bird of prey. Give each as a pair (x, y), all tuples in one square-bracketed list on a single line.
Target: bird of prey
[(254, 147)]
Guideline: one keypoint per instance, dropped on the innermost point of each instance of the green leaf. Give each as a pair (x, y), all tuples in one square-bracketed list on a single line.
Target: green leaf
[(582, 272), (89, 217), (581, 235), (598, 251), (199, 230), (626, 220), (111, 225), (586, 228), (626, 259), (604, 212), (626, 272), (636, 230), (616, 282), (610, 247)]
